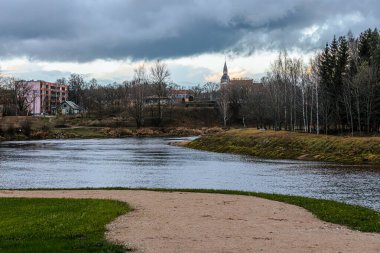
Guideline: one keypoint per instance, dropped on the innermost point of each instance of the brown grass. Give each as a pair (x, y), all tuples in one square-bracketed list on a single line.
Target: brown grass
[(290, 145)]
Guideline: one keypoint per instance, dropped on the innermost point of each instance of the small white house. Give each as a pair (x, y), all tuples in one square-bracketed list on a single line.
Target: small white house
[(153, 100), (69, 108)]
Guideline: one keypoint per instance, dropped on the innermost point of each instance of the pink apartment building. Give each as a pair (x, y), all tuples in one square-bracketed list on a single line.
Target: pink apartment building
[(44, 96)]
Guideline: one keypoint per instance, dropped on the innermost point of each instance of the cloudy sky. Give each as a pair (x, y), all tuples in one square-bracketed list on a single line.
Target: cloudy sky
[(107, 39)]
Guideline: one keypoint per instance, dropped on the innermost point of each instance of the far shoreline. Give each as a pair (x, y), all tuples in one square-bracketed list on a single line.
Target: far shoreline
[(266, 144), (109, 133)]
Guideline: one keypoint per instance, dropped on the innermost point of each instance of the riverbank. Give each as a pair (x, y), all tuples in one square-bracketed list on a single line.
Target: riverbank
[(290, 145), (79, 132), (69, 127), (204, 222)]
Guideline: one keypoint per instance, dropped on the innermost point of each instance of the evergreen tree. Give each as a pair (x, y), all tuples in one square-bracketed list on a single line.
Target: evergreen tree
[(325, 74), (342, 60), (365, 46)]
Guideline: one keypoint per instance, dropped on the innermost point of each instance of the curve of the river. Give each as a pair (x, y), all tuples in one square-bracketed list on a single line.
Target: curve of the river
[(151, 162)]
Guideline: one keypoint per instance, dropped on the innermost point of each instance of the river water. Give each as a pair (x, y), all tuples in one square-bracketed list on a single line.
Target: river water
[(151, 162)]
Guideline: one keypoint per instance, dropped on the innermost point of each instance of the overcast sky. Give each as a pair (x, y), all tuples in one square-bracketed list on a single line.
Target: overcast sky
[(47, 39)]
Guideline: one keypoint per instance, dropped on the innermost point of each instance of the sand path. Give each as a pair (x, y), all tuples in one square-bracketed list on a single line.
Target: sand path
[(199, 222)]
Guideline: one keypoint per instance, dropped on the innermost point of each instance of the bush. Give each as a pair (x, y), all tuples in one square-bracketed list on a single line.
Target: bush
[(46, 127), (213, 130), (125, 132), (60, 123), (105, 131), (183, 131), (40, 135), (95, 123), (26, 127), (145, 132), (9, 130)]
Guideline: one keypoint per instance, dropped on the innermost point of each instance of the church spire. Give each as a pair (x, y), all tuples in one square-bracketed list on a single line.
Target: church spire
[(225, 78)]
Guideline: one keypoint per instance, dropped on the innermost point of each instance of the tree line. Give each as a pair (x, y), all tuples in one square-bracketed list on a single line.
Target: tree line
[(338, 91), (127, 98)]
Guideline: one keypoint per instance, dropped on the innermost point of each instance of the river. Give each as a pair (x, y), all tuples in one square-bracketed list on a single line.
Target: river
[(151, 162)]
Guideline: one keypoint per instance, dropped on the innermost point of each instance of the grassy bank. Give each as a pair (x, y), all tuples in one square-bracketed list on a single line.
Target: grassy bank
[(290, 145), (57, 225), (67, 127), (52, 128)]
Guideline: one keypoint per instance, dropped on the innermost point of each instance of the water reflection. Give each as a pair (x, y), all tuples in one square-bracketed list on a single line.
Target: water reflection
[(150, 162)]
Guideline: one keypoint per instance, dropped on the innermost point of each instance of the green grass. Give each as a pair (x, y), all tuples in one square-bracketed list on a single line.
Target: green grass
[(290, 145), (57, 225)]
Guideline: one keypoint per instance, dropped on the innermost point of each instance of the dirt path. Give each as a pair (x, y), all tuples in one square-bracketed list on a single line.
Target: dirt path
[(199, 222)]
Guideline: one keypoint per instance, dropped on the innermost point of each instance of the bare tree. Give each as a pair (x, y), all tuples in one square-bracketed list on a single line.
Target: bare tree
[(245, 105), (295, 72), (211, 89), (314, 82), (93, 97), (304, 86), (6, 97), (24, 95), (160, 77), (137, 91), (76, 86), (239, 95), (197, 91), (224, 103), (271, 83), (62, 81)]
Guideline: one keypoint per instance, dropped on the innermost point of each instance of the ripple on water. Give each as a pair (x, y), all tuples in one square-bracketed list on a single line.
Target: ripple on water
[(151, 162)]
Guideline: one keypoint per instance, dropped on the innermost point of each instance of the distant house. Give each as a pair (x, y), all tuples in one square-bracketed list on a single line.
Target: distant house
[(181, 96), (155, 100), (42, 96), (68, 108)]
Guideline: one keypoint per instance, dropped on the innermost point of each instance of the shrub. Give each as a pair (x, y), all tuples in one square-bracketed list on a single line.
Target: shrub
[(9, 129), (26, 127), (40, 135), (95, 123), (213, 130), (145, 132), (60, 123), (125, 132), (183, 131), (105, 131), (46, 127)]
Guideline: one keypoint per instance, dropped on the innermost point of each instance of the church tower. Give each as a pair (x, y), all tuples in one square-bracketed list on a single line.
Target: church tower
[(225, 78)]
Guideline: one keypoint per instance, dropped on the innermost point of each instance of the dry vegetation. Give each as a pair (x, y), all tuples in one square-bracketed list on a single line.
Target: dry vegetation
[(291, 145), (22, 128)]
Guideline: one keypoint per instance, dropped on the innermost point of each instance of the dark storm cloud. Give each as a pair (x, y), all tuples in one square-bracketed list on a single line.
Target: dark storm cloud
[(115, 29)]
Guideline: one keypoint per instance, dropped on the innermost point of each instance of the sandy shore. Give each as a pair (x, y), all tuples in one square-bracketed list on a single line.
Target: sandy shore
[(199, 222)]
